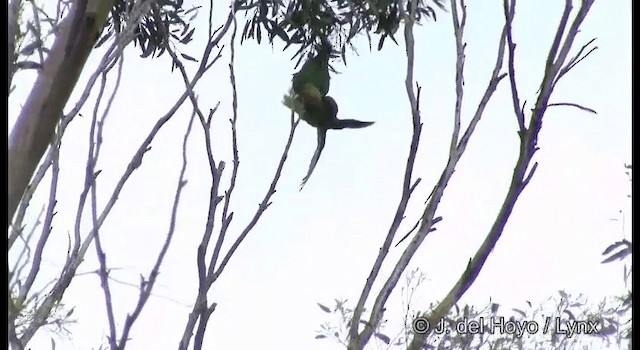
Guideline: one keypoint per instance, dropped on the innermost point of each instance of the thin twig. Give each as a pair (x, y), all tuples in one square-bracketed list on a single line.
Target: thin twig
[(509, 12), (569, 104), (38, 31), (264, 205), (24, 257), (46, 227), (577, 58), (226, 217), (94, 145), (458, 30)]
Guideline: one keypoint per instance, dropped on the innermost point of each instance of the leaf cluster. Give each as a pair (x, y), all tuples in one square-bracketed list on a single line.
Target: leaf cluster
[(166, 16), (301, 22), (298, 23)]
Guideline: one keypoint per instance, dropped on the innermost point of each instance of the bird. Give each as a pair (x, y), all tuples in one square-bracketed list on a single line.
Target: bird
[(310, 87), (314, 73), (324, 117)]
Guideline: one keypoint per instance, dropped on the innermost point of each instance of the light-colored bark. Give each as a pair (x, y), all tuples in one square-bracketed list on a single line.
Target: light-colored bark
[(32, 133)]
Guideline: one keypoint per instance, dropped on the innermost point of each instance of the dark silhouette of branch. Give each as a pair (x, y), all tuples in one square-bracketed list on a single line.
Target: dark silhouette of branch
[(521, 176), (95, 144), (146, 285), (569, 104), (209, 273), (78, 251), (359, 340)]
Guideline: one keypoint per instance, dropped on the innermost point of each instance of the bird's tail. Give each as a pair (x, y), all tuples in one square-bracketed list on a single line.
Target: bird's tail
[(350, 124)]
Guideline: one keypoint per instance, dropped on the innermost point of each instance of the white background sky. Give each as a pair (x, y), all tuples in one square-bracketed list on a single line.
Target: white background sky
[(319, 244)]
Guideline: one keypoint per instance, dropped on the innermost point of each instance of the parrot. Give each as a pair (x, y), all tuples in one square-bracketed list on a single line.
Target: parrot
[(323, 117), (312, 81), (310, 87)]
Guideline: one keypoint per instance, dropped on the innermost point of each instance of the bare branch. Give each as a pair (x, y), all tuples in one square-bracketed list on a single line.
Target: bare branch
[(553, 52), (581, 55), (95, 144), (555, 62), (428, 215), (146, 287), (356, 340), (111, 55), (458, 30), (263, 205), (24, 257), (528, 177), (81, 246), (46, 230), (435, 221), (569, 104), (509, 13), (38, 31), (216, 172), (496, 78), (520, 178), (226, 217), (35, 126)]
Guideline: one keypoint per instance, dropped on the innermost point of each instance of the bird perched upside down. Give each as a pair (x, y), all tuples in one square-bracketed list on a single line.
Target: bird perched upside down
[(310, 87)]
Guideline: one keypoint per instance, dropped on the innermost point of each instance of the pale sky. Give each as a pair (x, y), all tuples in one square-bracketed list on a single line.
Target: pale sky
[(319, 244)]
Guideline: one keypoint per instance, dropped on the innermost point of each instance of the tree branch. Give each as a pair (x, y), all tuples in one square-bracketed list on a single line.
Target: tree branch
[(38, 118), (359, 340), (519, 181), (509, 13), (78, 252), (146, 287)]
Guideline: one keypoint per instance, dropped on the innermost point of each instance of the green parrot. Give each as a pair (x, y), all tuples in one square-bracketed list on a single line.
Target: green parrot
[(310, 87), (312, 81), (323, 117)]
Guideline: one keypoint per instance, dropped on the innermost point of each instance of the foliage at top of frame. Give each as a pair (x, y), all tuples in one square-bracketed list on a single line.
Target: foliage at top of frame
[(299, 23), (166, 16)]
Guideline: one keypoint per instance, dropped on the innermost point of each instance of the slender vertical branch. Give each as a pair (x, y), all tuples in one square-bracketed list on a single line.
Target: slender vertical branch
[(456, 151), (226, 217), (458, 30), (146, 286), (509, 12), (95, 145), (205, 282), (520, 178), (359, 340), (264, 205)]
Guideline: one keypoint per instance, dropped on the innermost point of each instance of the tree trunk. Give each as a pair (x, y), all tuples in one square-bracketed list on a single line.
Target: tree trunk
[(37, 122)]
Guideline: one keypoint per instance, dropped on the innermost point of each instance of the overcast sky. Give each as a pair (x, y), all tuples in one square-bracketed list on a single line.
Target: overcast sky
[(319, 244)]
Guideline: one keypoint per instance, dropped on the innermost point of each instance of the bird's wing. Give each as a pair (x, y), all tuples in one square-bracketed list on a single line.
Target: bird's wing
[(322, 134)]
